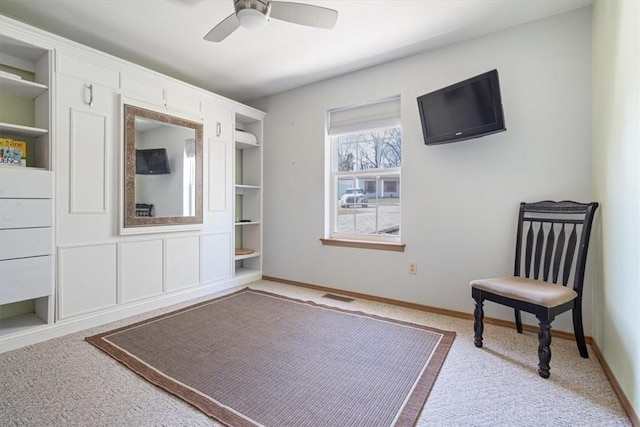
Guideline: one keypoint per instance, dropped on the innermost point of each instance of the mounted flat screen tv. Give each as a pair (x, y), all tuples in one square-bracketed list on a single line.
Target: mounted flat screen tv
[(469, 109), (152, 161)]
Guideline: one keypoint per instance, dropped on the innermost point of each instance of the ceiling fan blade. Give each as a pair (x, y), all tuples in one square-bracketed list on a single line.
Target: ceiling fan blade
[(304, 14), (221, 31)]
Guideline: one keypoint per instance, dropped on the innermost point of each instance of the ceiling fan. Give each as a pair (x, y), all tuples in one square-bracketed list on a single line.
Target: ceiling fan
[(254, 14)]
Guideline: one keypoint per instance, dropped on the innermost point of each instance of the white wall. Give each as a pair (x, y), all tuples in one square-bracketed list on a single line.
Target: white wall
[(616, 178), (460, 200), (165, 192)]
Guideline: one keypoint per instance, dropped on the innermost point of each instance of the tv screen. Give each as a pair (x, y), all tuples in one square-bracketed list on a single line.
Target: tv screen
[(469, 109), (152, 161)]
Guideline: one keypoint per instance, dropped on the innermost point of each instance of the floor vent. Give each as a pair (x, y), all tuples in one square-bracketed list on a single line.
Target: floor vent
[(338, 297)]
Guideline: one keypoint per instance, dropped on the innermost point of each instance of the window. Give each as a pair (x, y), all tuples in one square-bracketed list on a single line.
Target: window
[(364, 160)]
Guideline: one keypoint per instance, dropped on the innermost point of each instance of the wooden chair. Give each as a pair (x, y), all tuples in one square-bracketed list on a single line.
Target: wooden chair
[(549, 233)]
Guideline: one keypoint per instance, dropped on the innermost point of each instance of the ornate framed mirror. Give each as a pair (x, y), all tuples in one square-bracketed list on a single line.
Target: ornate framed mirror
[(162, 159)]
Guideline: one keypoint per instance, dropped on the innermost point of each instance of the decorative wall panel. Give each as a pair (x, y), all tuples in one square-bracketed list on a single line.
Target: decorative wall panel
[(87, 159), (217, 176), (87, 279), (141, 269)]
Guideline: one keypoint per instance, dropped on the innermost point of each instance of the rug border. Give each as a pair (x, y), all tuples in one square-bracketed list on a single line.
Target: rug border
[(407, 416)]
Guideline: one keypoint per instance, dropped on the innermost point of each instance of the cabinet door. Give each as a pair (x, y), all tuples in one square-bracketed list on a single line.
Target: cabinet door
[(87, 149), (179, 99), (87, 71), (215, 252), (219, 165), (87, 279)]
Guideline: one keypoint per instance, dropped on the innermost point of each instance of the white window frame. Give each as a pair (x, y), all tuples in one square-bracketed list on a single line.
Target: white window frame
[(379, 114)]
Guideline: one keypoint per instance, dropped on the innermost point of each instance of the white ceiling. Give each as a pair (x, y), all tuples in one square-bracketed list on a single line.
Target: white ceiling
[(167, 36)]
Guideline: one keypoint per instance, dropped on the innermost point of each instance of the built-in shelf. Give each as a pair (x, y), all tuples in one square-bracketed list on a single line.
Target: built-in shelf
[(248, 193), (244, 145), (247, 256), (29, 168), (245, 272), (19, 130), (22, 322), (22, 88), (26, 192)]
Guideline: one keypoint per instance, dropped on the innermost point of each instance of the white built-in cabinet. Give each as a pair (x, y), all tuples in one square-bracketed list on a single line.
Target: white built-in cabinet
[(64, 265), (86, 193), (217, 265), (26, 192)]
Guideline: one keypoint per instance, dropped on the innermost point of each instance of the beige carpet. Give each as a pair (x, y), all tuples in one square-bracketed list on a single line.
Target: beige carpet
[(68, 382), (254, 358)]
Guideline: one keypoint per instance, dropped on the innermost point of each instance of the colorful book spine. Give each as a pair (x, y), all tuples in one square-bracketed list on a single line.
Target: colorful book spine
[(13, 152)]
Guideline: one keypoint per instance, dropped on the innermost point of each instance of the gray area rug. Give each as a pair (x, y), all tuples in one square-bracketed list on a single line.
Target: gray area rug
[(255, 358)]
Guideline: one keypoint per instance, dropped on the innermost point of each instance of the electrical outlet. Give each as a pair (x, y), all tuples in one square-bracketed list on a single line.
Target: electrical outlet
[(413, 267)]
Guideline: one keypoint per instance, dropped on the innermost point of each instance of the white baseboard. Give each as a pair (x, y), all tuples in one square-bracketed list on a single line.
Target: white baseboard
[(45, 332)]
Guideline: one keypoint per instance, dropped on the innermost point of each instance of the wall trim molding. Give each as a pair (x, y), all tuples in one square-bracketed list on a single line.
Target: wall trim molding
[(624, 401), (422, 307)]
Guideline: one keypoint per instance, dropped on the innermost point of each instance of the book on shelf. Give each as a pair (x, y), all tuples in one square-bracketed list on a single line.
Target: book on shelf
[(13, 152)]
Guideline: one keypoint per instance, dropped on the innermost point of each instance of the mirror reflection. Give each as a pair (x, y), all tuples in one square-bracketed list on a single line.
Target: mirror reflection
[(163, 169)]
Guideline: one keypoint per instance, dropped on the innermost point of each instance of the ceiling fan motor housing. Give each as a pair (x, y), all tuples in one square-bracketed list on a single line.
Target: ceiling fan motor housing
[(252, 14)]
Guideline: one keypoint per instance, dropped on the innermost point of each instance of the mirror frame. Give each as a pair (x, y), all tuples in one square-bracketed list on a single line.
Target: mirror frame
[(137, 224)]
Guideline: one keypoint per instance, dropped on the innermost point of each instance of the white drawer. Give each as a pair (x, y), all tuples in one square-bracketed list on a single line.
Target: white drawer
[(25, 242), (25, 278), (25, 183), (25, 213)]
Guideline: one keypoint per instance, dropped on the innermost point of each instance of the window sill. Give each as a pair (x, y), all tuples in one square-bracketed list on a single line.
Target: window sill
[(365, 244)]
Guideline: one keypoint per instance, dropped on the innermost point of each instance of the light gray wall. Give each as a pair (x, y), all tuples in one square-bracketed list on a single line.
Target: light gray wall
[(164, 192), (460, 200), (616, 178)]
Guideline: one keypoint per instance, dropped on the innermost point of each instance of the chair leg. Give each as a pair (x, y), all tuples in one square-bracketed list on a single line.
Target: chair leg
[(478, 327), (544, 348), (518, 320), (579, 332)]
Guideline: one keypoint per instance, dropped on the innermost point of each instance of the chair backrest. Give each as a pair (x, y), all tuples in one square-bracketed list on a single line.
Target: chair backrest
[(552, 241)]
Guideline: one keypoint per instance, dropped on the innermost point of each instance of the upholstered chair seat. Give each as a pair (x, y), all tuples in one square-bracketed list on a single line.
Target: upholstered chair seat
[(527, 290)]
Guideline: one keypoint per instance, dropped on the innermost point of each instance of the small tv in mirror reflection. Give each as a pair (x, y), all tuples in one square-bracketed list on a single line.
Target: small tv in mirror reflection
[(152, 161)]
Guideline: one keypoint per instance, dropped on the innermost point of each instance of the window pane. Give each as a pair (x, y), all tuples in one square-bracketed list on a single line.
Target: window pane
[(346, 156), (391, 148), (345, 184), (388, 219), (368, 156), (368, 205)]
